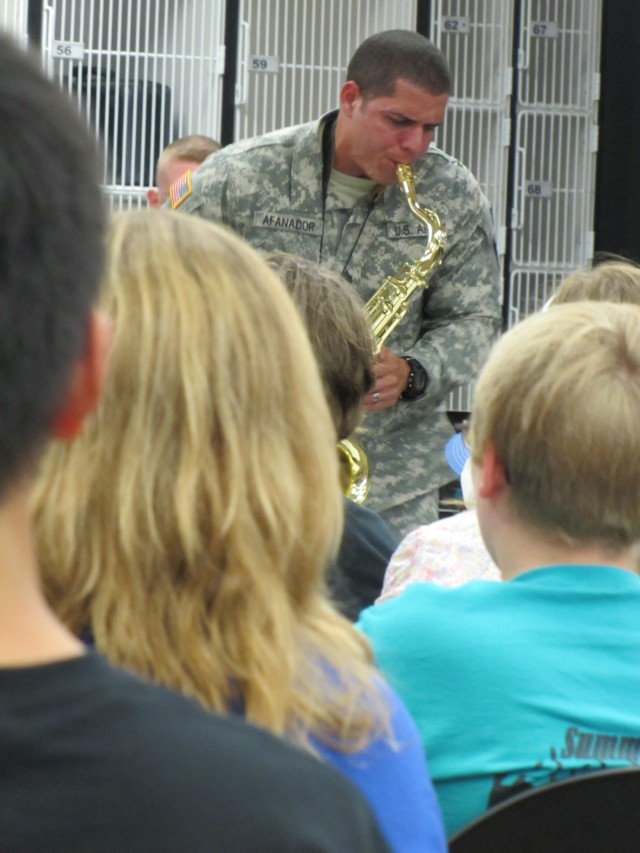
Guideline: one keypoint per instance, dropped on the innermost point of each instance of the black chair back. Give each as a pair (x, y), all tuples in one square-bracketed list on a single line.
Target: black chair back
[(595, 812)]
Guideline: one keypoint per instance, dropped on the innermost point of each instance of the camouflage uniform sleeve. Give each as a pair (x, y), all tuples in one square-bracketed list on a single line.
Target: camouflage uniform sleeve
[(461, 311), (209, 190)]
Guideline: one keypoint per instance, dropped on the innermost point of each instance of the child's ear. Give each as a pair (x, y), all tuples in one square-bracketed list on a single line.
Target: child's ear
[(87, 379), (491, 476)]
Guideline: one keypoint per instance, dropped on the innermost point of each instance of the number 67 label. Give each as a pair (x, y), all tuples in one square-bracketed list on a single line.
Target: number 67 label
[(544, 29)]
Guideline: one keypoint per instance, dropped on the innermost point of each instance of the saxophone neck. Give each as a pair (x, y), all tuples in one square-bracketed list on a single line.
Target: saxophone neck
[(430, 219), (388, 305)]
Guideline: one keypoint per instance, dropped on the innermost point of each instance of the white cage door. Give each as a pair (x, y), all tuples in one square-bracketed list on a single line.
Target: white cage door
[(293, 56), (530, 291), (476, 36), (556, 137), (554, 188), (144, 72)]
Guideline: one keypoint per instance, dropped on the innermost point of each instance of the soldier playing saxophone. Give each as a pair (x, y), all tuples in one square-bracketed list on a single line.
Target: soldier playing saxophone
[(327, 191)]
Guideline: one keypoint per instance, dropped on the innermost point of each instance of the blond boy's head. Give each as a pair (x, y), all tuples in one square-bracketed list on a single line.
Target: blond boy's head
[(559, 403)]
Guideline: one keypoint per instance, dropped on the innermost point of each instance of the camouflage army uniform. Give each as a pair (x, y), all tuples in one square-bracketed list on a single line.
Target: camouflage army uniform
[(270, 190)]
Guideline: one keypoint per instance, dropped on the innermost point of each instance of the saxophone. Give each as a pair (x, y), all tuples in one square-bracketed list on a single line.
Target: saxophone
[(386, 309)]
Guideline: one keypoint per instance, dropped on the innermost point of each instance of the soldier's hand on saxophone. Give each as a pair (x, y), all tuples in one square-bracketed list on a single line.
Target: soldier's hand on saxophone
[(392, 374)]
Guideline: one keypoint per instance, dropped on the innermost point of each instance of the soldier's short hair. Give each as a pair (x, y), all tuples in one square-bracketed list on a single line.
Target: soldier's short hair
[(192, 149), (559, 399), (339, 331), (392, 55), (51, 252)]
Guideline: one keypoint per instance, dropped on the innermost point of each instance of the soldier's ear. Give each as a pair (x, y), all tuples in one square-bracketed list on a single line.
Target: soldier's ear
[(350, 95)]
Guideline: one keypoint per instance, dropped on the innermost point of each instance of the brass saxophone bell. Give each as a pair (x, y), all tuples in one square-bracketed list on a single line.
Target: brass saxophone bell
[(353, 467)]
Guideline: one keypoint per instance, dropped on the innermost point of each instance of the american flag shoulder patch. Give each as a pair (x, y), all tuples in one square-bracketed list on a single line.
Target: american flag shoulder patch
[(180, 189)]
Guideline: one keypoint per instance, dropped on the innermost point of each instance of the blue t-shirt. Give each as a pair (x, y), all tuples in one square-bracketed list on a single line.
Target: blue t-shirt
[(515, 684), (394, 778)]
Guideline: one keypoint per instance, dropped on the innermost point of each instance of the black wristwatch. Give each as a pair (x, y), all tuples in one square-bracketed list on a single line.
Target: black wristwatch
[(417, 381)]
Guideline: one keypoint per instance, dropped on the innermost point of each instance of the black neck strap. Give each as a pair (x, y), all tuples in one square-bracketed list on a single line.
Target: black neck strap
[(328, 135)]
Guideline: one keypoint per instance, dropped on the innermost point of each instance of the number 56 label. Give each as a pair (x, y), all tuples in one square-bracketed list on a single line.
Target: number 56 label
[(67, 50)]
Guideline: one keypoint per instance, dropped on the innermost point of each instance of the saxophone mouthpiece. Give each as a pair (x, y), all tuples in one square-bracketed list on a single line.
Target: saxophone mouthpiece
[(404, 176)]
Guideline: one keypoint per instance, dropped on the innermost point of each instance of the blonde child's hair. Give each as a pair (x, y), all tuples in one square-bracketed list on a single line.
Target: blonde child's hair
[(189, 528)]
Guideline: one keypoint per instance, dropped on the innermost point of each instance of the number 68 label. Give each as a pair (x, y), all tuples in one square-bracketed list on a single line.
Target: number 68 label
[(538, 189)]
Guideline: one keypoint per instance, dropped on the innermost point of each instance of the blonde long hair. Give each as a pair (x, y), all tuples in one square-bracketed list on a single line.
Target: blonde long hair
[(190, 525)]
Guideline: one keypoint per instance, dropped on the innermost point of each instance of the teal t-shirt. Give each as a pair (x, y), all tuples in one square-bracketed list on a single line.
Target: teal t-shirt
[(515, 684)]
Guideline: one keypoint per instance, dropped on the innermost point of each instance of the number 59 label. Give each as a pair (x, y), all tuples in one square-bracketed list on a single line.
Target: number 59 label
[(264, 63)]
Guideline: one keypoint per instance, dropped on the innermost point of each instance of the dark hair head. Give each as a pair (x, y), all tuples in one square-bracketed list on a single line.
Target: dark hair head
[(51, 248), (393, 55)]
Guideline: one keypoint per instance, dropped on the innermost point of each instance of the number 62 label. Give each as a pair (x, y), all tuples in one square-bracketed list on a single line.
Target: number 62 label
[(458, 26)]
